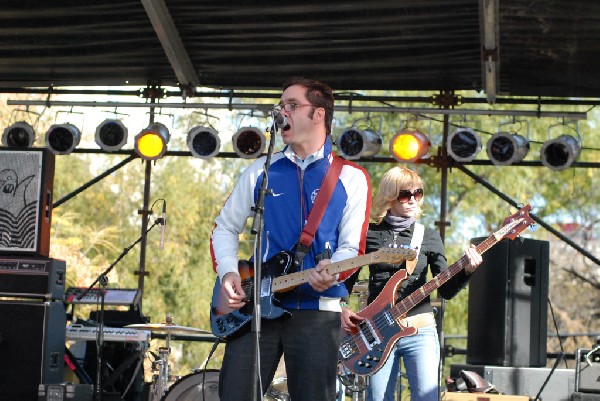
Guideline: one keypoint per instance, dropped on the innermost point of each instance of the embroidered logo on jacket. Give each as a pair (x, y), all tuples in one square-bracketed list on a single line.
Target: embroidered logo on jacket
[(313, 196)]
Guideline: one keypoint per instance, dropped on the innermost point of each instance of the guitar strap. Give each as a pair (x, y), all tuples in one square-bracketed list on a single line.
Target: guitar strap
[(316, 214), (415, 244)]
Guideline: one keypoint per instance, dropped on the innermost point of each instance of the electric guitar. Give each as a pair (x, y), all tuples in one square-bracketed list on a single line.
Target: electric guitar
[(275, 277), (365, 351)]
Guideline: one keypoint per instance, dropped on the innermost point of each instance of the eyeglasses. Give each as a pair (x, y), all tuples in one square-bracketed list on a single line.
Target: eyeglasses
[(404, 195), (289, 107)]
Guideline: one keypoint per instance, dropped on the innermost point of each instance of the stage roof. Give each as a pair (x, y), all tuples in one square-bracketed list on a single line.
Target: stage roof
[(530, 47)]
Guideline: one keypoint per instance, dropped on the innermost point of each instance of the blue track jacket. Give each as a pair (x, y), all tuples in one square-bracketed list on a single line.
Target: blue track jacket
[(294, 186)]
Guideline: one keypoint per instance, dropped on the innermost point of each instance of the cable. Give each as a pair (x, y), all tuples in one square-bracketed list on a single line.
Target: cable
[(212, 351), (560, 341)]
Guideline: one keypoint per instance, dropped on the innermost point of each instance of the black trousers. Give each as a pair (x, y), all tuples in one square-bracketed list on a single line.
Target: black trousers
[(308, 340)]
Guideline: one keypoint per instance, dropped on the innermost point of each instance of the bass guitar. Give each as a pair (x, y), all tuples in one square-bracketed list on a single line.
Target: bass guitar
[(365, 351), (275, 278)]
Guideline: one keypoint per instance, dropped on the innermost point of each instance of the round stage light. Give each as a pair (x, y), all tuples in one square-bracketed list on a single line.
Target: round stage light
[(463, 144), (62, 139), (249, 142), (409, 146), (505, 148), (354, 143), (111, 135), (18, 135), (559, 153), (203, 142), (151, 143)]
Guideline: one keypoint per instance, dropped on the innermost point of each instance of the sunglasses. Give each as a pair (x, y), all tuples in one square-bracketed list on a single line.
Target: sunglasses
[(404, 195)]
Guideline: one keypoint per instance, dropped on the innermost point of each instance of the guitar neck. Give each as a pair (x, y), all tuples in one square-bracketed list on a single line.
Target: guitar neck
[(402, 307), (292, 280)]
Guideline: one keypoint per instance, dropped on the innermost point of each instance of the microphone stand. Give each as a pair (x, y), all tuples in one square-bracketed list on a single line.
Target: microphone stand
[(257, 229), (102, 279)]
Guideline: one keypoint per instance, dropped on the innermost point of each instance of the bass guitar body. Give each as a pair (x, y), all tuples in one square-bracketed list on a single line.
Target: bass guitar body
[(365, 351)]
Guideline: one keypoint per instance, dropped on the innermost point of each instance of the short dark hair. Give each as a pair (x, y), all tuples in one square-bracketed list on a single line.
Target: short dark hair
[(318, 94)]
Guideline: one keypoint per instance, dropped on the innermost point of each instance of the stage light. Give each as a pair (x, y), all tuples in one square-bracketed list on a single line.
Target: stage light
[(559, 153), (354, 143), (61, 139), (463, 144), (409, 146), (248, 142), (111, 135), (505, 148), (203, 142), (18, 135), (151, 143)]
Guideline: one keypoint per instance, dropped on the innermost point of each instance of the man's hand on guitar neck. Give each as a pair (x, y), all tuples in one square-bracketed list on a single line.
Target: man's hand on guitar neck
[(232, 292), (319, 278)]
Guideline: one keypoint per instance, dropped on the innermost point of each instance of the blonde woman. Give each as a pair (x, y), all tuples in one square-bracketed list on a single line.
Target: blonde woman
[(395, 211)]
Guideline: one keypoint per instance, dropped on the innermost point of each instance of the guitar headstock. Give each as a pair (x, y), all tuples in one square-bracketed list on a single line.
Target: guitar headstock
[(394, 255), (513, 225)]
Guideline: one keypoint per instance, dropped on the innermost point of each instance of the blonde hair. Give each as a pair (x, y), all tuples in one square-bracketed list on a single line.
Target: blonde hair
[(394, 180)]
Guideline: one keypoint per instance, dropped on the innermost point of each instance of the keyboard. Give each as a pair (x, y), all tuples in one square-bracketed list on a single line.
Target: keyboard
[(77, 332)]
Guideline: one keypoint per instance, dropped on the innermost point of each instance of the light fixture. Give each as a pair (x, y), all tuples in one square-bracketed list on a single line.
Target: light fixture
[(151, 142), (463, 144), (203, 142), (62, 139), (355, 143), (18, 135), (111, 135), (559, 153), (248, 142), (505, 148), (409, 145)]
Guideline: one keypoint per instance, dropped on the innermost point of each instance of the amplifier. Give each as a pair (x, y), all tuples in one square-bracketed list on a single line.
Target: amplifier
[(32, 278), (587, 371), (65, 392), (558, 385)]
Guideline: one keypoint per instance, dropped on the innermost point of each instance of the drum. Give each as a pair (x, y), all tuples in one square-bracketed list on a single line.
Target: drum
[(278, 390), (189, 388)]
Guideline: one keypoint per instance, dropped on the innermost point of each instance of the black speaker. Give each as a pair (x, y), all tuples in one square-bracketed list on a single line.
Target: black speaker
[(26, 182), (32, 344), (508, 305)]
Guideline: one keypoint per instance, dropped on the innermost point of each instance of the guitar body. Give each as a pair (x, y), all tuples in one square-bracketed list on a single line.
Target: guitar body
[(225, 321), (365, 351)]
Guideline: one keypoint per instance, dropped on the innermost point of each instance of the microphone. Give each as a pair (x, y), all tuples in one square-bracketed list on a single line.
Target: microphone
[(279, 121), (162, 229)]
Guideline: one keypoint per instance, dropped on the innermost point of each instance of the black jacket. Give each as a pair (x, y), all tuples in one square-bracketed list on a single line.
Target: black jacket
[(431, 256)]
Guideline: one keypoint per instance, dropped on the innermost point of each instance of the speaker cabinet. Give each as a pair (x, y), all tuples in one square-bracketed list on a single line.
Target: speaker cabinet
[(32, 344), (508, 305), (26, 183)]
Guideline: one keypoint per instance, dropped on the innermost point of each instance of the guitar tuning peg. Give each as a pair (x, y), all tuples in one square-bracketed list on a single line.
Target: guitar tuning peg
[(533, 227)]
